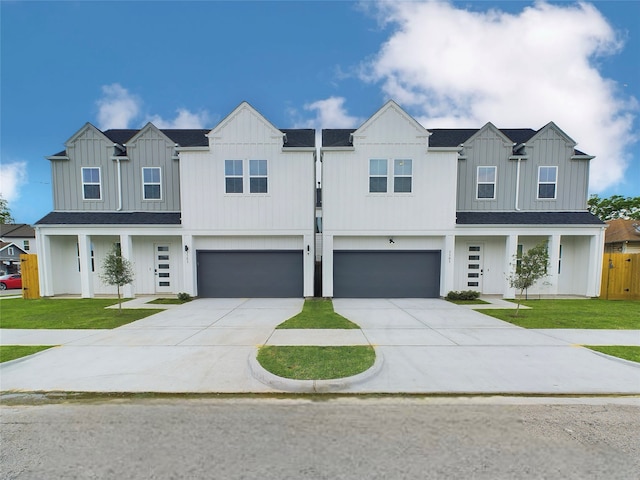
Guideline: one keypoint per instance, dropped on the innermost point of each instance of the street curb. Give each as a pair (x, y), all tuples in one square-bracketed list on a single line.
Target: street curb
[(311, 386)]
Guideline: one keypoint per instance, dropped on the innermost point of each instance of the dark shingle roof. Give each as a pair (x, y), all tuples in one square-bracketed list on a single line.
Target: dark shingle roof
[(452, 137), (527, 218), (17, 230), (337, 137), (110, 218), (300, 137)]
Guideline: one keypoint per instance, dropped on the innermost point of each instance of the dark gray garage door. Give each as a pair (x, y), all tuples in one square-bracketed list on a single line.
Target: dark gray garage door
[(233, 274), (383, 274)]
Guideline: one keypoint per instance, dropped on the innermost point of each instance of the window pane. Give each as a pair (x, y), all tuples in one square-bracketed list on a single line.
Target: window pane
[(402, 167), (234, 185), (487, 174), (377, 184), (377, 167), (91, 175), (152, 192), (547, 174), (258, 167), (92, 192), (151, 175), (486, 190), (233, 167), (402, 184), (547, 190), (258, 185)]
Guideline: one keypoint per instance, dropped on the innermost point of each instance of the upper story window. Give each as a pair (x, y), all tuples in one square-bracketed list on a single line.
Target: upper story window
[(257, 176), (91, 187), (151, 184), (486, 183), (25, 245), (10, 251), (377, 175), (402, 175), (233, 176), (547, 180)]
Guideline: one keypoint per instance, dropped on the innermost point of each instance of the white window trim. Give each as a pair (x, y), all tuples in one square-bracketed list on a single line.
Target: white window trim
[(10, 251), (224, 166), (91, 183), (494, 183), (370, 176), (555, 184), (257, 176), (393, 163), (159, 183)]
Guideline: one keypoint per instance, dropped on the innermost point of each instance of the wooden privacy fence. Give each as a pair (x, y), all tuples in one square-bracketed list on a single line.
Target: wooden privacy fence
[(30, 281), (620, 276)]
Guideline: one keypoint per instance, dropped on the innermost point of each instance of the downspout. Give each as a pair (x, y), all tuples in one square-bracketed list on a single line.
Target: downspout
[(517, 208), (119, 185)]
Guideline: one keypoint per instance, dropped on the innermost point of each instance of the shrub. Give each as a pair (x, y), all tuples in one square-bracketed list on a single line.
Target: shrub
[(463, 295), (184, 297)]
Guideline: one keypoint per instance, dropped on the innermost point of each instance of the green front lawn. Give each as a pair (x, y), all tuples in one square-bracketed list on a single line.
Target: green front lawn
[(11, 352), (628, 353), (318, 313), (66, 313), (588, 313), (316, 363)]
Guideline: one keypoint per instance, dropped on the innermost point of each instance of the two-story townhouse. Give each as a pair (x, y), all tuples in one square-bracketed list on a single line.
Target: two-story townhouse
[(410, 212), (172, 199)]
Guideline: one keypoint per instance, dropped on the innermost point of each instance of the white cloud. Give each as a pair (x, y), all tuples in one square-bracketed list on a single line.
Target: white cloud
[(13, 176), (459, 68), (330, 113), (184, 119), (117, 108)]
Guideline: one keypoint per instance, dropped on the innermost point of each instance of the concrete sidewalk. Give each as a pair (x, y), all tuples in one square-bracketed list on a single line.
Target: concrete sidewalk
[(424, 346)]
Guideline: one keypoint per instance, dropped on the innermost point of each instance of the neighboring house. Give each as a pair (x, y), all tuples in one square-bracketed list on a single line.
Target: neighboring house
[(21, 234), (622, 236), (409, 212), (222, 212), (10, 258)]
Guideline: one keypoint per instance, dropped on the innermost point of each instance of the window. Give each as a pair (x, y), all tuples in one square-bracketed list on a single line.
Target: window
[(519, 253), (257, 176), (10, 251), (25, 245), (233, 176), (547, 178), (91, 183), (486, 182), (560, 261), (151, 183), (402, 171), (377, 176)]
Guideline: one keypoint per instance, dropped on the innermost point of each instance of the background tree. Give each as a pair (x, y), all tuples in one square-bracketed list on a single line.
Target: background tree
[(5, 213), (117, 270), (530, 267), (614, 207)]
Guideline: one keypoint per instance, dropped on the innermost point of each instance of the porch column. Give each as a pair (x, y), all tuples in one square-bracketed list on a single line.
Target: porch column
[(188, 265), (327, 266), (511, 250), (86, 275), (554, 260), (126, 250), (596, 252), (447, 261), (45, 268), (309, 264)]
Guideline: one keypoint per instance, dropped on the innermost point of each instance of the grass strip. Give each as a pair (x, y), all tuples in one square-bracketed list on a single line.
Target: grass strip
[(87, 313), (168, 301), (626, 352), (587, 313), (318, 313), (11, 352), (316, 363), (468, 302)]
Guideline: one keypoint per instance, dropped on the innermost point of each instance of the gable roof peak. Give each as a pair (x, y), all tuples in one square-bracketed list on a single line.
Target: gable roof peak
[(391, 105)]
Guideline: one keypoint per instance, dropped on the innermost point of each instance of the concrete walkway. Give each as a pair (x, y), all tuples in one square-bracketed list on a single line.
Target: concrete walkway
[(425, 346)]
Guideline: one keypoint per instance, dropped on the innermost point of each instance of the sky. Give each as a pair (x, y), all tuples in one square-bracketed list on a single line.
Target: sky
[(306, 64)]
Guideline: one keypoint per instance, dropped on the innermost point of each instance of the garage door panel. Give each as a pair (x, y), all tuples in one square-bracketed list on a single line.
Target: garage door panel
[(383, 274), (233, 274)]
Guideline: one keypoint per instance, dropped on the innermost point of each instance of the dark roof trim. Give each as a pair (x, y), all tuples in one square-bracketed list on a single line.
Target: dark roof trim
[(111, 218), (527, 218)]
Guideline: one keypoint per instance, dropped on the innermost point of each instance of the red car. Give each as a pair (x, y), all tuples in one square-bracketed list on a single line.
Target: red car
[(10, 281)]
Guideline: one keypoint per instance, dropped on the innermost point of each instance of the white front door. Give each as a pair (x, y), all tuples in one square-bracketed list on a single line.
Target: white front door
[(474, 266), (163, 271)]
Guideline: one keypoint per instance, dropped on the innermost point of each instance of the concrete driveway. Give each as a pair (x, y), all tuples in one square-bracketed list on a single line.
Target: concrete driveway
[(427, 346)]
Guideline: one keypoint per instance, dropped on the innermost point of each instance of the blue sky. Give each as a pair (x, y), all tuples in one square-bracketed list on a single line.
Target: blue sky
[(315, 64)]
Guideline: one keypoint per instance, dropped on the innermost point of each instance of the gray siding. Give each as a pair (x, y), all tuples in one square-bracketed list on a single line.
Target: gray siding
[(547, 148)]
